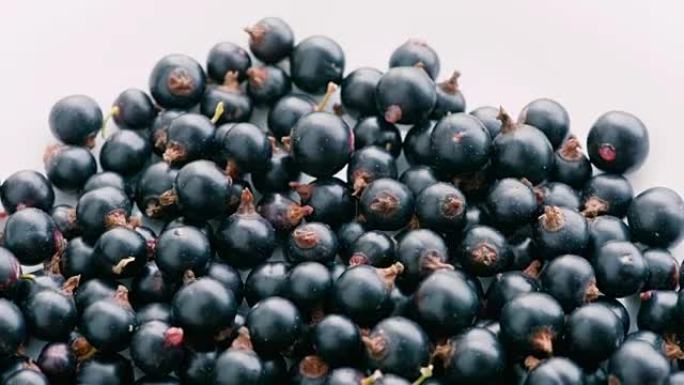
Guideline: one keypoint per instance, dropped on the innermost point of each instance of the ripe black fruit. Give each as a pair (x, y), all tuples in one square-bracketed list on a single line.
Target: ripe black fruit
[(618, 142), (405, 95)]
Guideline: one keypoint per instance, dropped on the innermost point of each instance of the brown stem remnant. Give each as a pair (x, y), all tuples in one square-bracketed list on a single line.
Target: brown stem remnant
[(160, 140), (189, 277), (672, 349), (246, 203), (361, 179), (385, 203), (174, 152), (121, 297), (313, 367), (612, 380), (443, 353), (531, 362), (592, 292), (533, 269), (542, 341), (303, 190), (296, 212), (305, 238), (243, 340), (485, 254), (256, 33), (50, 152), (507, 123), (231, 81), (232, 169), (375, 345), (553, 218), (116, 218), (450, 86), (180, 82), (121, 265), (257, 76), (571, 149), (358, 259), (82, 348), (323, 104), (173, 337), (390, 274), (594, 206), (452, 206), (433, 260), (71, 284)]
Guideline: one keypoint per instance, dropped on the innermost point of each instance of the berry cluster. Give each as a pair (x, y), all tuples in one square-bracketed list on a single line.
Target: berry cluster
[(488, 253)]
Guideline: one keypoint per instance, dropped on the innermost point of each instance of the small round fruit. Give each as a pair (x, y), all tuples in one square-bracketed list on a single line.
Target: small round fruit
[(330, 198), (637, 363), (570, 280), (237, 366), (484, 251), (108, 324), (375, 131), (50, 314), (531, 324), (560, 231), (32, 236), (151, 286), (663, 269), (204, 307), (157, 348), (461, 144), (177, 81), (315, 62), (441, 207), (58, 363), (549, 117), (101, 209), (267, 84), (504, 288), (416, 52), (227, 57), (13, 328), (202, 190), (120, 253), (387, 204), (125, 152), (556, 370), (421, 252), (104, 369), (620, 269), (10, 271), (368, 164), (618, 309), (26, 377), (76, 120), (570, 165), (285, 113), (358, 91), (274, 324), (397, 345), (606, 194), (510, 203), (271, 39), (488, 115), (26, 188), (450, 99), (558, 194), (68, 168), (308, 286), (322, 144), (656, 217), (266, 280), (405, 95), (659, 312), (337, 340), (181, 249), (279, 171), (373, 248), (592, 333), (418, 144), (606, 228), (618, 142), (133, 110), (418, 178), (312, 242), (236, 104), (473, 357)]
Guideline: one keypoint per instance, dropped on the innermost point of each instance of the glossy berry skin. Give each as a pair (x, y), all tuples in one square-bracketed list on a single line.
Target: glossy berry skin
[(154, 189), (331, 201), (274, 324), (531, 323), (125, 152), (198, 367), (488, 116), (133, 109), (521, 151), (315, 62), (445, 304), (26, 188), (69, 167), (203, 191), (10, 270), (606, 194), (177, 81), (266, 280), (181, 249), (245, 239), (675, 379), (271, 39), (160, 128), (203, 307), (347, 234), (75, 120), (57, 362), (570, 280), (150, 286), (656, 217), (415, 52), (107, 179), (13, 328), (280, 170), (322, 144), (450, 99), (441, 207), (108, 325), (64, 217), (283, 213), (637, 362), (659, 312), (345, 376), (556, 370), (570, 165), (606, 228), (417, 178), (375, 131), (266, 84), (152, 380), (373, 248), (32, 236), (362, 293), (51, 315), (93, 290), (26, 376), (504, 288), (358, 91), (618, 142), (105, 369), (285, 113), (405, 95), (484, 251), (228, 277), (337, 340), (558, 194), (560, 231), (510, 203), (100, 209), (189, 137), (308, 286), (549, 117), (663, 269), (120, 253), (461, 144), (473, 357), (418, 144), (387, 204), (592, 334), (620, 269), (237, 366), (368, 164), (422, 252), (618, 309), (237, 105), (397, 345), (225, 57), (157, 348), (312, 242)]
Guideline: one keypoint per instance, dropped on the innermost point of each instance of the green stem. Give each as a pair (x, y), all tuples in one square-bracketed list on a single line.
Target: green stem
[(220, 109), (113, 112), (425, 373)]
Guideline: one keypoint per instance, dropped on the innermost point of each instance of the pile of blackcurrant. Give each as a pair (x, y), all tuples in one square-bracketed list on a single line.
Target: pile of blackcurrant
[(459, 248)]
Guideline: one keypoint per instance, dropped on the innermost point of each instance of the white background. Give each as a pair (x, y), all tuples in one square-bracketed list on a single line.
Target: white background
[(592, 56)]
